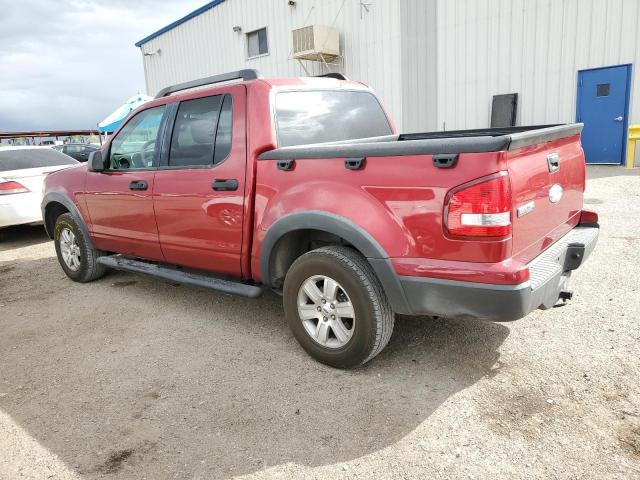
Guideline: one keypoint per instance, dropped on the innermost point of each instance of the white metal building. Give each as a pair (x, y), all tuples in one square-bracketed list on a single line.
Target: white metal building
[(436, 64)]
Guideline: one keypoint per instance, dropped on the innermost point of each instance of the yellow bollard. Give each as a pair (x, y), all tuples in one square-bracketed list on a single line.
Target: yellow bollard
[(634, 136)]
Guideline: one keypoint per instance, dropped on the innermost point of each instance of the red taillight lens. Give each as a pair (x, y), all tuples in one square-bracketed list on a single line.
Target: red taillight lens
[(7, 187), (482, 209)]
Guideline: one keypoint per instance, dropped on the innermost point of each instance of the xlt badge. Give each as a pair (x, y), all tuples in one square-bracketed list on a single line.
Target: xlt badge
[(526, 208)]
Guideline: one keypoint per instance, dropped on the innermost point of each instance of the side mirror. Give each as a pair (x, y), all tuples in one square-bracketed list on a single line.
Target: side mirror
[(96, 164)]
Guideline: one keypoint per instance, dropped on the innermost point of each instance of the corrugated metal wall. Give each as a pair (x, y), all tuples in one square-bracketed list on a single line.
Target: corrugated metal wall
[(532, 47), (206, 44), (419, 60), (435, 63)]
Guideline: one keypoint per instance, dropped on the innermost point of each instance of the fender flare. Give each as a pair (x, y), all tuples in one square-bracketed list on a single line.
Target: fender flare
[(69, 205), (343, 228)]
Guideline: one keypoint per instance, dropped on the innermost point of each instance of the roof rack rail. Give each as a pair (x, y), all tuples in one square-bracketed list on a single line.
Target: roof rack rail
[(337, 76), (244, 75)]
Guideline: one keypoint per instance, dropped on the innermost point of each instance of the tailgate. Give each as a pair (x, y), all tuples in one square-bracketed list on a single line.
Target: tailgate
[(547, 182)]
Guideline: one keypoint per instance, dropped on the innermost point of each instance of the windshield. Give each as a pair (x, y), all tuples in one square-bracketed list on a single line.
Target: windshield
[(305, 117), (32, 158)]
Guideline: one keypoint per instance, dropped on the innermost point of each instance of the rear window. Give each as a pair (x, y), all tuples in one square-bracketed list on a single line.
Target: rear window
[(305, 117), (33, 158), (202, 132)]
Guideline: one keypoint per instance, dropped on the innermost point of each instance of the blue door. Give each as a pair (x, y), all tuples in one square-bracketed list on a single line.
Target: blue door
[(603, 99)]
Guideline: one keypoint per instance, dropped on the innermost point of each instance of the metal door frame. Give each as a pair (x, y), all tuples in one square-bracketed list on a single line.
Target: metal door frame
[(625, 126)]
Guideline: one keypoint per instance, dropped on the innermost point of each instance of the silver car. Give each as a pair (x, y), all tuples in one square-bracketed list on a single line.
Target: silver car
[(22, 173)]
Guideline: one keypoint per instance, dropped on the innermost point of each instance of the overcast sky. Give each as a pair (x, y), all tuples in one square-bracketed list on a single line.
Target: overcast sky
[(70, 63)]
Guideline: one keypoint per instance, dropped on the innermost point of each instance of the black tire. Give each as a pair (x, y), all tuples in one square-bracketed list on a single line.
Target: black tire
[(374, 318), (89, 268)]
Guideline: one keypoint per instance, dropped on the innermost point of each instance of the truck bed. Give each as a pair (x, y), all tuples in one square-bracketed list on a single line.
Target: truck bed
[(407, 180)]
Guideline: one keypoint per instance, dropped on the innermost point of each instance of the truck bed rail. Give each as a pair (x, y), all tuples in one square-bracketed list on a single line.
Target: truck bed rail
[(462, 141)]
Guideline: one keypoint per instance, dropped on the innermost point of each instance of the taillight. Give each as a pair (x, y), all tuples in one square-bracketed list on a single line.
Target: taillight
[(482, 209), (8, 186)]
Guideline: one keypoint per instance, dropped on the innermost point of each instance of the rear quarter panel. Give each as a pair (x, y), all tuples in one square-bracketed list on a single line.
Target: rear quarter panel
[(399, 201)]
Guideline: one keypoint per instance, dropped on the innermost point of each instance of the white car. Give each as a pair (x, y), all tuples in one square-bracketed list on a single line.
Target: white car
[(22, 173)]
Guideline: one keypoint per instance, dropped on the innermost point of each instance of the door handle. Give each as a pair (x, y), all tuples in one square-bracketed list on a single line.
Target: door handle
[(224, 185), (619, 119), (553, 162), (138, 185)]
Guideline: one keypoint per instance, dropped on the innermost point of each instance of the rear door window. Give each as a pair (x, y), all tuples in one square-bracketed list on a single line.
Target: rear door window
[(223, 134), (33, 158), (202, 132)]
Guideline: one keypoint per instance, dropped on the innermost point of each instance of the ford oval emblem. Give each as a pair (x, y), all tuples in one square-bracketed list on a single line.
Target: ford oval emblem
[(555, 193)]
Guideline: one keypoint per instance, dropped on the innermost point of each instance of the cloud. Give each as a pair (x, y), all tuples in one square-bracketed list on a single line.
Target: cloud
[(69, 63)]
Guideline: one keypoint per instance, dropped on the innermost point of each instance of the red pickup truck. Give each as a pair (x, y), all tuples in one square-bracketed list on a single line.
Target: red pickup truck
[(238, 183)]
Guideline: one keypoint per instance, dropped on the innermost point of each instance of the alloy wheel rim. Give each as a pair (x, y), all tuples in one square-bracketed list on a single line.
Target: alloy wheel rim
[(69, 249), (326, 311)]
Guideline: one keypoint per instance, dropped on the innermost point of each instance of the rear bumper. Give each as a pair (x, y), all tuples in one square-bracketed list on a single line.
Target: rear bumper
[(20, 208), (548, 276)]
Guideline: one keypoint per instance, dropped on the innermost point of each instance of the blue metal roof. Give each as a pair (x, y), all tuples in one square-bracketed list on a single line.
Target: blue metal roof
[(173, 25)]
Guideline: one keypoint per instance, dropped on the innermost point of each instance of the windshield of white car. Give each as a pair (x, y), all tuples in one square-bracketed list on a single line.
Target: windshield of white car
[(23, 158), (319, 116)]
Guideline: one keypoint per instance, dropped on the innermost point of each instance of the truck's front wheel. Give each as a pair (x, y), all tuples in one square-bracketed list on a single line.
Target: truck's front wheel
[(336, 307), (77, 256)]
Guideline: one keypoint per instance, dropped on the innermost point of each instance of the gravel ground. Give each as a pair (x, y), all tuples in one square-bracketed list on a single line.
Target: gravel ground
[(129, 377)]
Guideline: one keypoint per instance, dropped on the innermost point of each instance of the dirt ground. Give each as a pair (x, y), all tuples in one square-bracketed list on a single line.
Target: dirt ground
[(130, 377)]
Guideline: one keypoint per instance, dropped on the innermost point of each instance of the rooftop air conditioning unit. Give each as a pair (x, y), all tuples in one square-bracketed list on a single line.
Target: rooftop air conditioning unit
[(318, 43)]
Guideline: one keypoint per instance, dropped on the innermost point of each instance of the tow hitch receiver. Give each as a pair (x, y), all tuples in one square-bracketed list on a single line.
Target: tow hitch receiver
[(575, 255)]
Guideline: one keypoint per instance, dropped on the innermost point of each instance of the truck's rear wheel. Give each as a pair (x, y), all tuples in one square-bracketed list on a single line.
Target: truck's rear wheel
[(336, 307)]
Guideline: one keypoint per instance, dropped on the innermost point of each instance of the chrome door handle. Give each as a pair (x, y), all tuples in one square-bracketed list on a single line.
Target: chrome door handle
[(619, 119), (225, 185), (138, 185)]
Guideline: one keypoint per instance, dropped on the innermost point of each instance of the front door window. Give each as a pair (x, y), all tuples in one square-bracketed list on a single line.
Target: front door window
[(136, 146)]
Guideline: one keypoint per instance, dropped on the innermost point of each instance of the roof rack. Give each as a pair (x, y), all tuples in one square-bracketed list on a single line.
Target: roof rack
[(337, 76), (244, 75)]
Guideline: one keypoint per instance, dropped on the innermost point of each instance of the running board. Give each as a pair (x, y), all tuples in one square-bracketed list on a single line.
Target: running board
[(118, 262)]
